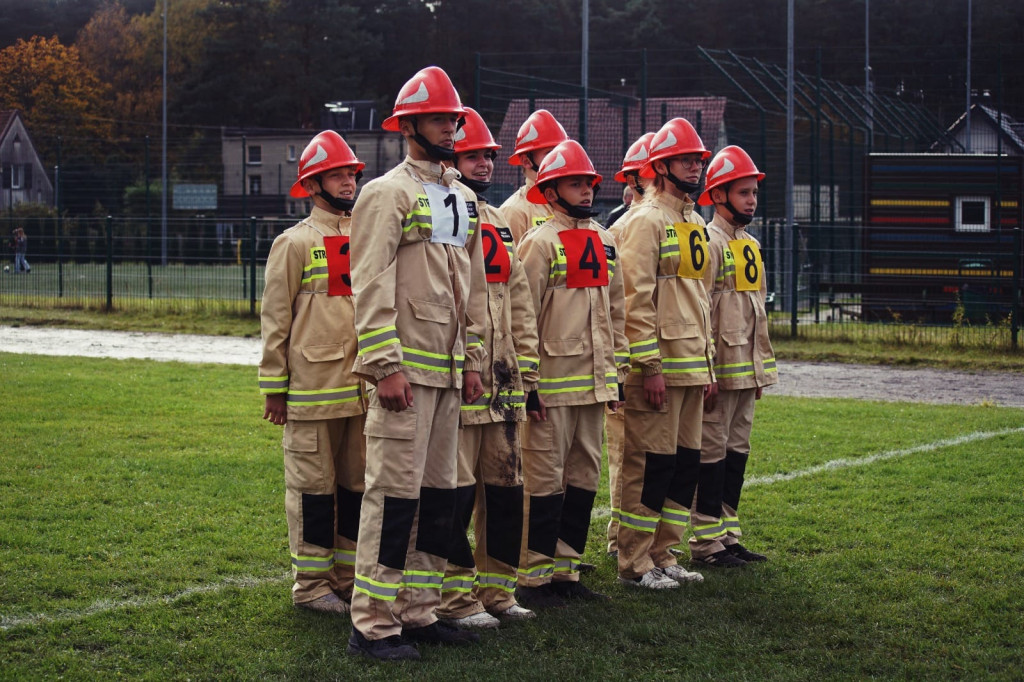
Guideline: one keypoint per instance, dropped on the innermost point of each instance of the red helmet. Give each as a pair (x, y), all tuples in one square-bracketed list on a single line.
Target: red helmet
[(732, 163), (635, 157), (541, 130), (565, 160), (474, 134), (325, 151), (430, 91), (677, 137)]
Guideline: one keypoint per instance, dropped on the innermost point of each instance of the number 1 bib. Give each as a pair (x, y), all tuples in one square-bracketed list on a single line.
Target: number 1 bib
[(449, 215), (749, 267), (586, 263)]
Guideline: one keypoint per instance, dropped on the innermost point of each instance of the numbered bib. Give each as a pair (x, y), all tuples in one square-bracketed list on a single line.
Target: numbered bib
[(339, 280), (749, 266), (497, 264), (449, 215), (693, 250), (586, 263)]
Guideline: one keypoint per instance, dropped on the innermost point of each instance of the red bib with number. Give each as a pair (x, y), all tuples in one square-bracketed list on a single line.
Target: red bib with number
[(497, 264), (339, 281), (586, 264)]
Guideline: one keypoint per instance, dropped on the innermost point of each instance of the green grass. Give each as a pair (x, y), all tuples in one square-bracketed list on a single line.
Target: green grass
[(142, 535)]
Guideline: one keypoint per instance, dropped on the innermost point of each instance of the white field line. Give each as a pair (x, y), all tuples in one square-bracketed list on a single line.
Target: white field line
[(106, 605), (847, 462)]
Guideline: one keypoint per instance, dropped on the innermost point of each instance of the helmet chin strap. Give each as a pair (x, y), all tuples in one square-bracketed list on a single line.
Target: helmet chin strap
[(434, 151), (335, 202), (687, 187), (738, 217), (577, 212)]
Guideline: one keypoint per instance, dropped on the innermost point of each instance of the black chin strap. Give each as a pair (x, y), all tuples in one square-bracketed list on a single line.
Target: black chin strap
[(336, 202), (687, 187), (577, 212), (434, 151), (738, 217)]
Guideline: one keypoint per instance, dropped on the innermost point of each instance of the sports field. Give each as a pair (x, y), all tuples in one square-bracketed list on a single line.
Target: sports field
[(142, 535)]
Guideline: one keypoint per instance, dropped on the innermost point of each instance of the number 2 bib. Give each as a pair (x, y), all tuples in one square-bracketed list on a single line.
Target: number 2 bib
[(749, 267), (586, 263), (449, 215), (497, 264)]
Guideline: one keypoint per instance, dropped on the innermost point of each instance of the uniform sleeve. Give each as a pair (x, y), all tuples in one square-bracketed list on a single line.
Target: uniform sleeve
[(376, 231), (476, 305), (640, 256), (536, 256), (524, 324), (617, 307), (283, 277), (517, 217)]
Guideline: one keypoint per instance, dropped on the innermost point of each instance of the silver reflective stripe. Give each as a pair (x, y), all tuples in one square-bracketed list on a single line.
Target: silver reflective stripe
[(345, 556), (566, 565), (376, 590), (565, 385), (731, 523), (315, 273), (496, 581), (677, 517), (276, 384), (324, 396), (423, 579), (312, 563), (539, 572), (458, 585), (641, 348), (711, 532), (423, 360), (684, 365), (769, 365), (648, 524), (377, 338), (526, 364)]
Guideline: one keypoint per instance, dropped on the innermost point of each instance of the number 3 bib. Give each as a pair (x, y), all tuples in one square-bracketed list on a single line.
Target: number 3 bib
[(749, 267), (586, 263), (449, 215)]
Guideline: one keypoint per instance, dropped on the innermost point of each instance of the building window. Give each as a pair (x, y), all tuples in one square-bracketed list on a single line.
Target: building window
[(291, 152), (17, 176), (255, 184), (291, 208), (255, 154), (972, 214)]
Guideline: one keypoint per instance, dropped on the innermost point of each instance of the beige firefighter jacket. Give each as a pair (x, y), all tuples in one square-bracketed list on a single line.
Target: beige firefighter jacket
[(309, 339), (522, 214), (420, 299), (511, 330), (668, 319), (584, 355), (744, 357)]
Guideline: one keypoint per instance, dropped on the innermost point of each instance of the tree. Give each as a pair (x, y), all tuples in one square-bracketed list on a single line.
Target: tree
[(57, 95)]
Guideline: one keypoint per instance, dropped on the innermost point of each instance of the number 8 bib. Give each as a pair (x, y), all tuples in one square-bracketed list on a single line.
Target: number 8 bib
[(749, 267), (449, 215)]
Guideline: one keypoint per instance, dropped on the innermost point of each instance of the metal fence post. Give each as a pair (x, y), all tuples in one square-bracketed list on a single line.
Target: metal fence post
[(110, 263), (252, 265), (1017, 305), (795, 264)]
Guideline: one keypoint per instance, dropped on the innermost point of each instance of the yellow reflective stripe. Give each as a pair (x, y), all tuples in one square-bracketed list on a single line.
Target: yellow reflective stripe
[(376, 338)]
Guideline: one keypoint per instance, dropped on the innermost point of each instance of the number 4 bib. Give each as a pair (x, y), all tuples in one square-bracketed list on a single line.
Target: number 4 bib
[(586, 263), (749, 267), (449, 215)]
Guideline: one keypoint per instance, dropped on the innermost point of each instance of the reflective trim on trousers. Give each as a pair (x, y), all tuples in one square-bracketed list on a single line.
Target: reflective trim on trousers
[(731, 524), (375, 589), (346, 557), (646, 524), (567, 565), (677, 517), (709, 532), (541, 571), (427, 580), (376, 338), (457, 585), (312, 564), (496, 581)]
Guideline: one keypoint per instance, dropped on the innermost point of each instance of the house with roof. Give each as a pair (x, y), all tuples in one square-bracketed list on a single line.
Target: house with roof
[(23, 177), (612, 125), (991, 132)]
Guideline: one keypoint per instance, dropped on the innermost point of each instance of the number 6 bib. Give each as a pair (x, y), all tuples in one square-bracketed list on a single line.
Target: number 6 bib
[(749, 267), (449, 215), (586, 263), (693, 250)]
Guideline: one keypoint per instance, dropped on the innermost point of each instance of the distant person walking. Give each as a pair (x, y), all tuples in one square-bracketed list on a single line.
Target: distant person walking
[(20, 249)]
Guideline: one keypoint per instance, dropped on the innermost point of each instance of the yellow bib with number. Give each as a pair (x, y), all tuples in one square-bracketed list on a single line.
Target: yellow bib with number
[(693, 250), (749, 267)]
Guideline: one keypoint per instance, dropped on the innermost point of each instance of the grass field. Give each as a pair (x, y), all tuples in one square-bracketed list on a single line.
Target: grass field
[(142, 535)]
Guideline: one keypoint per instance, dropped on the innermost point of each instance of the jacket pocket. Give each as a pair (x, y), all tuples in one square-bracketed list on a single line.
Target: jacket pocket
[(735, 338), (325, 353), (678, 330), (441, 313), (563, 347), (383, 423)]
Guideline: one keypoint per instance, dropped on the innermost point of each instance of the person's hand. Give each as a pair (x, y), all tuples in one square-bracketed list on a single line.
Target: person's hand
[(654, 390), (614, 405), (275, 409), (710, 396), (394, 392), (757, 393), (472, 387), (535, 408)]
